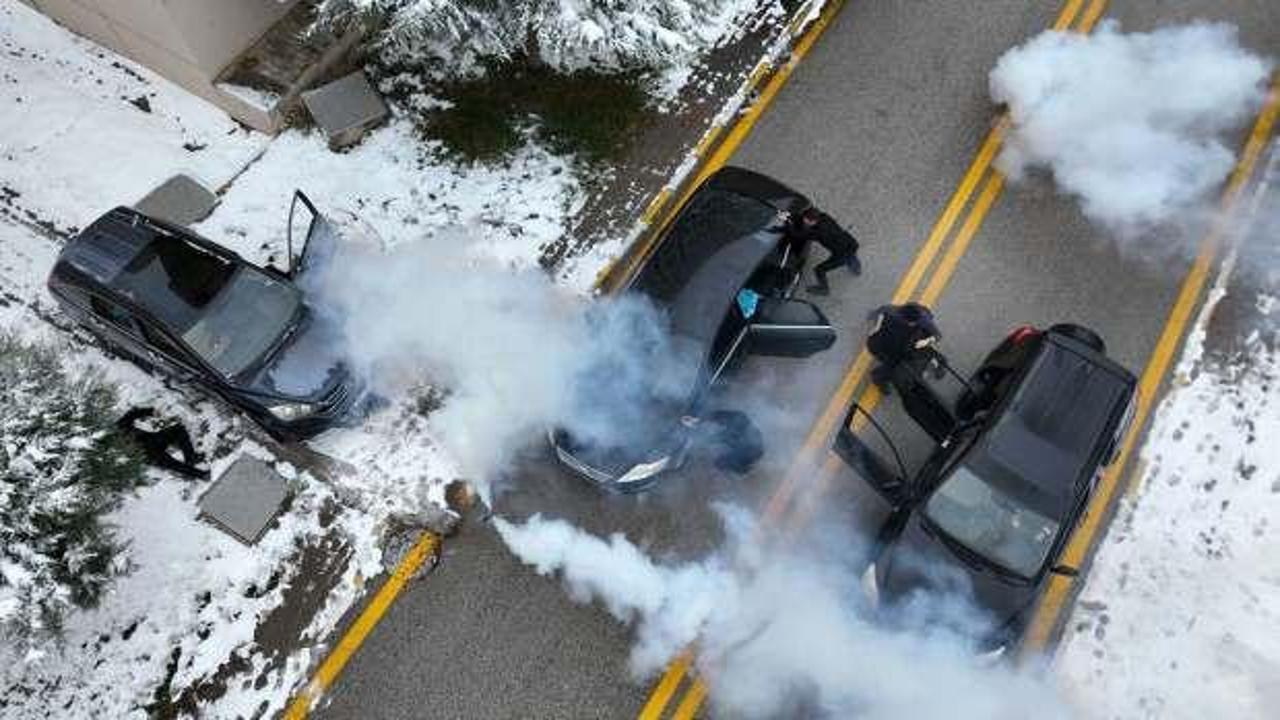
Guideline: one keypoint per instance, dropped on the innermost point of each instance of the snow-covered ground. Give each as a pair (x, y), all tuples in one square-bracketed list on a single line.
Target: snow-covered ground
[(1180, 614), (83, 130)]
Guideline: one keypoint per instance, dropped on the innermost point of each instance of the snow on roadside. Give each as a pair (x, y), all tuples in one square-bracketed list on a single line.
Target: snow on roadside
[(397, 186), (193, 594), (83, 130), (1180, 615)]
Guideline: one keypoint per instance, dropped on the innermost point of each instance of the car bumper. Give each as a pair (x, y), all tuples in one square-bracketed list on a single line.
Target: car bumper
[(635, 479)]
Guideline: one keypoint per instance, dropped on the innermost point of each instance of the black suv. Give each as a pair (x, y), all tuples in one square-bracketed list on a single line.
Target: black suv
[(171, 300), (728, 238), (990, 512)]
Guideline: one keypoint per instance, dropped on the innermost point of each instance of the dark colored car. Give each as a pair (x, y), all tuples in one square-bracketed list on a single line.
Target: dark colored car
[(992, 509), (728, 237), (171, 300)]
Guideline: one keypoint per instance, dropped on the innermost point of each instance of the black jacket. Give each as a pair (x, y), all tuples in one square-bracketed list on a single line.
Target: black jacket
[(899, 330), (826, 232)]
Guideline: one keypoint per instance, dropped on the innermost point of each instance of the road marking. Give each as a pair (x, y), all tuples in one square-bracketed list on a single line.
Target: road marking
[(692, 701), (1056, 599), (355, 635), (666, 687), (819, 437)]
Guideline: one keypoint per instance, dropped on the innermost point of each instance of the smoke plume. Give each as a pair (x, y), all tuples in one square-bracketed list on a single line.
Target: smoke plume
[(780, 632), (516, 353), (1132, 124)]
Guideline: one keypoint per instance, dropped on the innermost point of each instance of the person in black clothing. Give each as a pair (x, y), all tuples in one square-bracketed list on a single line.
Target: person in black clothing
[(736, 441), (904, 338), (897, 334), (156, 444), (813, 225)]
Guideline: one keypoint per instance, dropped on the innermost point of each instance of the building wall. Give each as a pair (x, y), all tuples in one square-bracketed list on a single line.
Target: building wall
[(189, 42)]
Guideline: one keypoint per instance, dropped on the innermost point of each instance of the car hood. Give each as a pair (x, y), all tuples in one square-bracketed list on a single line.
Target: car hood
[(919, 564), (308, 366)]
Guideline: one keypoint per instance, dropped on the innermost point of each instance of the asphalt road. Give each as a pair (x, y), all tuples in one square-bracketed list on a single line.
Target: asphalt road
[(877, 125)]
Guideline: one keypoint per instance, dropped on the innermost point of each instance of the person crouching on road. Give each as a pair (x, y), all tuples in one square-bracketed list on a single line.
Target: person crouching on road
[(813, 225), (900, 336)]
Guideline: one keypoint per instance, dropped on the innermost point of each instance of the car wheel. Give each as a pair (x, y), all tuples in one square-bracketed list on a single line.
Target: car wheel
[(1081, 334)]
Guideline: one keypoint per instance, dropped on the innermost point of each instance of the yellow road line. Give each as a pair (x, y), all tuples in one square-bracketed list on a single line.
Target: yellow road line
[(692, 701), (655, 206), (666, 687), (355, 635), (742, 127), (951, 260), (820, 435), (1055, 599)]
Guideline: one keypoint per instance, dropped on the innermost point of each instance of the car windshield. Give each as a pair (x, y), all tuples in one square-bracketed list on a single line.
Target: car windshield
[(243, 321), (993, 522)]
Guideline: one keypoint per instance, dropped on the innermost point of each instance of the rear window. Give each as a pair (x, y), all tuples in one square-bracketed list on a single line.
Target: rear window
[(713, 219)]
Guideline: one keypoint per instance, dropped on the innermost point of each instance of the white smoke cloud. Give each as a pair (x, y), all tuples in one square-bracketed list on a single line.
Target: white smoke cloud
[(780, 632), (516, 353), (1132, 124)]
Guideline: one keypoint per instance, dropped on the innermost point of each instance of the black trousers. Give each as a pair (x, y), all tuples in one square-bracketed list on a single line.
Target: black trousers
[(837, 260), (155, 445)]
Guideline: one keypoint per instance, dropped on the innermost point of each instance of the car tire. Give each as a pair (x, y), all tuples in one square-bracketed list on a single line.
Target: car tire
[(1081, 334)]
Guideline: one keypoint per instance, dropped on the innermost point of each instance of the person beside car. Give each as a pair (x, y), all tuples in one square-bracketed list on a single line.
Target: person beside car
[(813, 225)]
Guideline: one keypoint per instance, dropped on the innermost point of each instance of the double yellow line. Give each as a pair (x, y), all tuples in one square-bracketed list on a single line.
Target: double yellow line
[(980, 178)]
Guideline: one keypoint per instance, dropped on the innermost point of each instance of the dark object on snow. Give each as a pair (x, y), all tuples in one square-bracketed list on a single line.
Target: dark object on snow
[(156, 444), (991, 511), (171, 300), (897, 333), (180, 200), (345, 109), (245, 499), (814, 226), (729, 236), (919, 398), (738, 439)]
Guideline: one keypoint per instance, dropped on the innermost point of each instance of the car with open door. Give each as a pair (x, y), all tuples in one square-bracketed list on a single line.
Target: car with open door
[(722, 276), (172, 301), (990, 512)]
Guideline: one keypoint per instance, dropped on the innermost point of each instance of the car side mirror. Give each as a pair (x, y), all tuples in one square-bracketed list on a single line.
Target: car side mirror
[(1065, 571)]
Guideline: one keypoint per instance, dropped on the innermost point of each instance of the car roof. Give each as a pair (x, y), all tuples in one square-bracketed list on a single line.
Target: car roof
[(1064, 407), (104, 248), (718, 240), (168, 272)]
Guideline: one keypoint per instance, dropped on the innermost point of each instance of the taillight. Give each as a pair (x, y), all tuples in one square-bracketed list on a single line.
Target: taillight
[(1022, 334)]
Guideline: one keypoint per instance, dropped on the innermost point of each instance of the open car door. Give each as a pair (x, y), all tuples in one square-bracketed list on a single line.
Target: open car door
[(789, 328), (311, 237), (869, 465)]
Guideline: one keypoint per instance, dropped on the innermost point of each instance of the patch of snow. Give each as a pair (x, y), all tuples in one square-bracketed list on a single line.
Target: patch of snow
[(1180, 614), (401, 189), (193, 592), (83, 130)]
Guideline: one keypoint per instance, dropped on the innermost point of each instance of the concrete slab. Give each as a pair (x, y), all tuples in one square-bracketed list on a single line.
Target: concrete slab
[(345, 108), (244, 499), (181, 200)]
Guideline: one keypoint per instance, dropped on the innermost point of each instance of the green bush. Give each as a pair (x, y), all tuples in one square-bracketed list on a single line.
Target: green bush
[(586, 113), (62, 466)]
